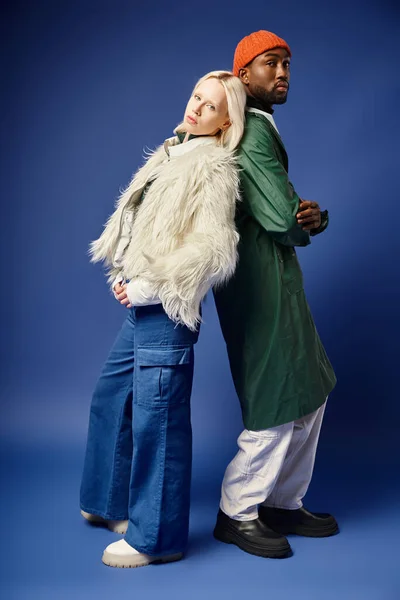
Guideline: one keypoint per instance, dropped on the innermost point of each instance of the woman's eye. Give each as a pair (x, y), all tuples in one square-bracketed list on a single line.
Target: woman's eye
[(211, 107), (196, 97)]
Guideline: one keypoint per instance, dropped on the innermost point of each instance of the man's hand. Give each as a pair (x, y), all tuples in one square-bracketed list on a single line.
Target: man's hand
[(121, 295), (309, 215)]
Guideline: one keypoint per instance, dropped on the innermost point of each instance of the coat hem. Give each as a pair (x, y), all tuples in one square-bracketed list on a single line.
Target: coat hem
[(255, 425)]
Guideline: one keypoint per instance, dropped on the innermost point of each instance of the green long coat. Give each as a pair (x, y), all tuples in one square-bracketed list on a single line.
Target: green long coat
[(279, 366)]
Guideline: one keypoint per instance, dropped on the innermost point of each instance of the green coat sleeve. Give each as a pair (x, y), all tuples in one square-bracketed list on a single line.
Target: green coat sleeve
[(268, 195)]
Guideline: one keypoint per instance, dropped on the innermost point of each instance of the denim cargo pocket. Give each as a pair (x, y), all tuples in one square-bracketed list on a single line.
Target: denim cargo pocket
[(291, 274), (164, 375)]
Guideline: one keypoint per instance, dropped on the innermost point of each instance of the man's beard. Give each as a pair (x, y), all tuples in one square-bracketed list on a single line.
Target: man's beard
[(268, 98)]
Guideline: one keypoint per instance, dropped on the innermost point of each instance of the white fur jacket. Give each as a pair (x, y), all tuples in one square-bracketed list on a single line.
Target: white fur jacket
[(183, 238)]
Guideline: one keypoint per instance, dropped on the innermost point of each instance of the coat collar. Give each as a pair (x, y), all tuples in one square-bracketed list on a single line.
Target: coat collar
[(265, 114), (178, 149), (273, 127)]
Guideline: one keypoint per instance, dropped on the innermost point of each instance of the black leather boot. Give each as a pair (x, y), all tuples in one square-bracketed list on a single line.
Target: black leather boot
[(253, 537), (300, 521)]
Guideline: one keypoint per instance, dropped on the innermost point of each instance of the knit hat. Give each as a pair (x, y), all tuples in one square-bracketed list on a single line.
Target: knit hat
[(253, 45)]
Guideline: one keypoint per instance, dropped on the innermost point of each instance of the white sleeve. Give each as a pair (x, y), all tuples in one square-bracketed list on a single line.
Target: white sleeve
[(119, 279), (140, 292)]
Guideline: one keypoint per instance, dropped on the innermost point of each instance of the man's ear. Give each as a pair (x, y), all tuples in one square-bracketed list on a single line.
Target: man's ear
[(244, 76)]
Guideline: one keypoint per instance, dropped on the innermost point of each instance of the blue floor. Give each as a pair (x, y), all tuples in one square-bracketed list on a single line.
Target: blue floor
[(50, 553)]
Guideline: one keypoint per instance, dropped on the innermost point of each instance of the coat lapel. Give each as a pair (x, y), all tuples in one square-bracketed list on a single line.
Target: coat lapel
[(275, 133)]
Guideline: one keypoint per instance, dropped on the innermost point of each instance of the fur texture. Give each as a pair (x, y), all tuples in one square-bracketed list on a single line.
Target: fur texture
[(183, 235)]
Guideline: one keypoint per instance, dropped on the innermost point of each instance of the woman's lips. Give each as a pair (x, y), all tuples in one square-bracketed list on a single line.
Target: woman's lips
[(191, 120)]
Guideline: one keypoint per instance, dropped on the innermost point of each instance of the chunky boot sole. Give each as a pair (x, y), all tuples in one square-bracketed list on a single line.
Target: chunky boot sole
[(114, 526), (231, 536), (137, 560), (307, 530), (92, 518), (118, 526), (298, 522)]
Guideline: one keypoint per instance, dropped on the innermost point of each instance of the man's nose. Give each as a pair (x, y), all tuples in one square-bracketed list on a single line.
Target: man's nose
[(281, 72)]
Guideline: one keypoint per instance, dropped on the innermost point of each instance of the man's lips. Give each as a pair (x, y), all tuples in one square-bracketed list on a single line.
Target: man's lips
[(282, 86), (191, 120)]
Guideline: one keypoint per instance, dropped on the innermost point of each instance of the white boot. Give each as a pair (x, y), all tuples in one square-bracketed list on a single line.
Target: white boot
[(115, 526), (121, 554)]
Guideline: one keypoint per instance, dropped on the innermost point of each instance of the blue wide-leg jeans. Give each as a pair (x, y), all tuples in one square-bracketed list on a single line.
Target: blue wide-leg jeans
[(139, 448)]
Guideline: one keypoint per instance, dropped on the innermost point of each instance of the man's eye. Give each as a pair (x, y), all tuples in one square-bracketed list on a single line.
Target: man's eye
[(271, 63), (286, 65)]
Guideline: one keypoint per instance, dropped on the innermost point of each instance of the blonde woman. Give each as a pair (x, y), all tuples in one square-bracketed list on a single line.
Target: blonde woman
[(171, 237)]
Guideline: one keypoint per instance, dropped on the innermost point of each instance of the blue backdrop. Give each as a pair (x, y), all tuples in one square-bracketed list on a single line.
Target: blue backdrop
[(86, 87)]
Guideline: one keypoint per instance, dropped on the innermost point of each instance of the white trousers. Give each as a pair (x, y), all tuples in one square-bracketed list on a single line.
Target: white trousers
[(273, 467)]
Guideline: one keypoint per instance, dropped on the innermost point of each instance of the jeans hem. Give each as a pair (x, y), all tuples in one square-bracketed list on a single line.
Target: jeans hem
[(104, 515), (150, 551)]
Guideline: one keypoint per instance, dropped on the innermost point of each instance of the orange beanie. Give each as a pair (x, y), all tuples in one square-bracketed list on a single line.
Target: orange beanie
[(254, 44)]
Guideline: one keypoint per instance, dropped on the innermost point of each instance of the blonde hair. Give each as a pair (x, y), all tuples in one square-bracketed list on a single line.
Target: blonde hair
[(236, 98)]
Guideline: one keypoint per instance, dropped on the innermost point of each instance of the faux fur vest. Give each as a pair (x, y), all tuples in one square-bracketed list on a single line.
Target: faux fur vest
[(183, 234)]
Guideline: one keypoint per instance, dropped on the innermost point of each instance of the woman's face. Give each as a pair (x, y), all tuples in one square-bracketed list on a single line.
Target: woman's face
[(207, 110)]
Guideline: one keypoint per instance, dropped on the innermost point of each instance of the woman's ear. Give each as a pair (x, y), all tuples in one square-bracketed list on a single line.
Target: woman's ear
[(226, 125)]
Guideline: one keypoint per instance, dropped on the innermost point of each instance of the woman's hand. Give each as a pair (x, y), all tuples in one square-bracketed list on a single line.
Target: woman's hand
[(121, 295), (309, 215)]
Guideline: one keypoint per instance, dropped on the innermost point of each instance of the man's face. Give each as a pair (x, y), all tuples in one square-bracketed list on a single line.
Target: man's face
[(267, 76)]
